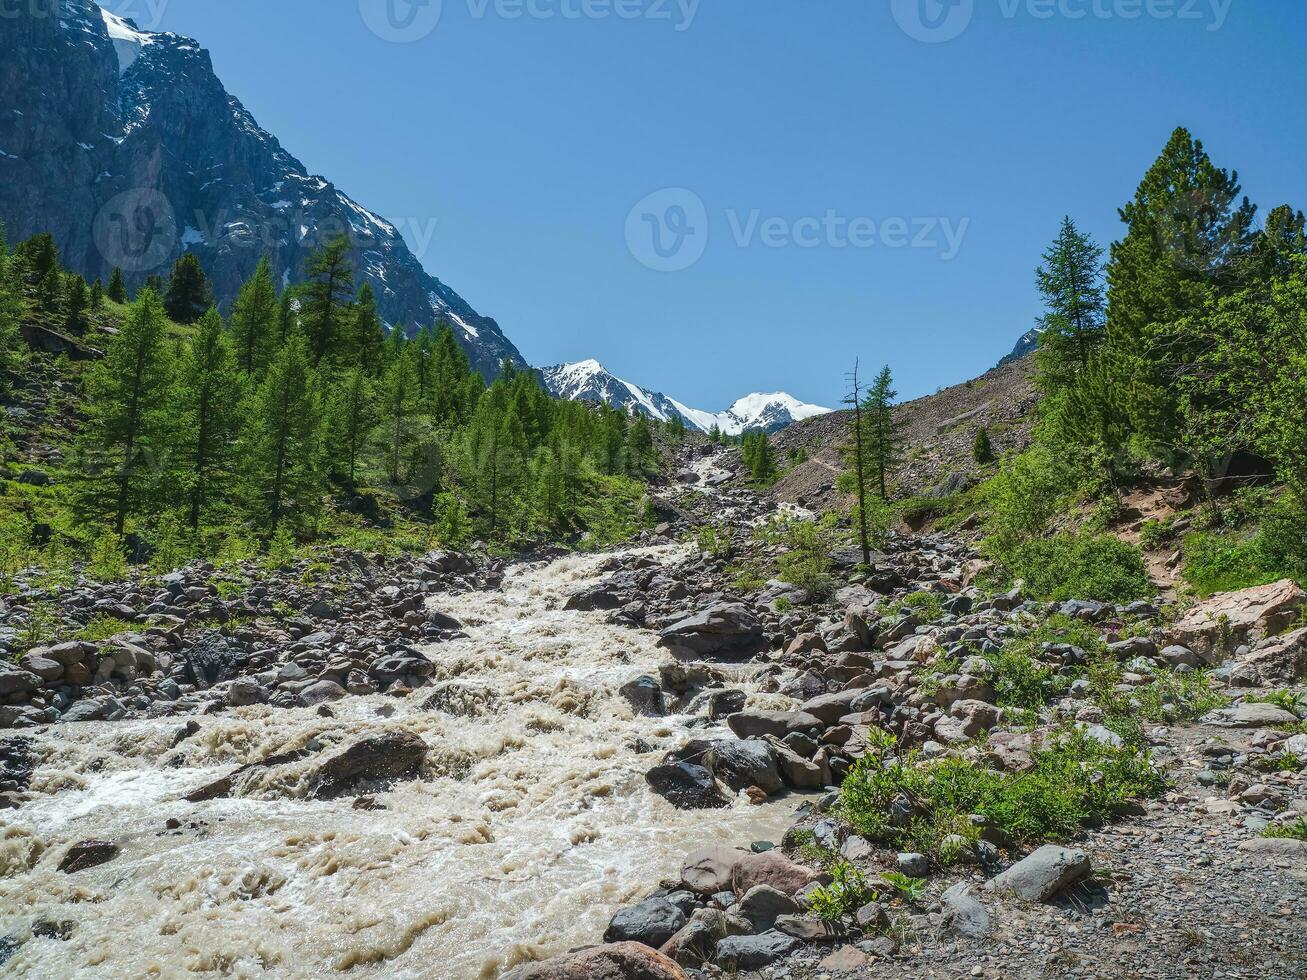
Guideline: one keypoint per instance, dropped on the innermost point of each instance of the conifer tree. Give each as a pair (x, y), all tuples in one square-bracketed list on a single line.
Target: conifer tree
[(640, 446), (368, 335), (398, 397), (452, 399), (856, 456), (884, 431), (210, 393), (350, 416), (1071, 282), (283, 468), (76, 301), (39, 257), (129, 425), (255, 316), (154, 283), (325, 297), (189, 294), (117, 289), (97, 296), (288, 318), (1188, 237), (983, 450), (50, 291)]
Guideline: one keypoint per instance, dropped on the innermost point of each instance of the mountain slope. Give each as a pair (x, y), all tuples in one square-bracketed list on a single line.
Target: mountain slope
[(590, 381), (126, 147)]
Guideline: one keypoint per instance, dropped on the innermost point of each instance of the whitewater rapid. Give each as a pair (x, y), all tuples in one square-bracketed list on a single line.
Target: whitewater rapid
[(530, 825)]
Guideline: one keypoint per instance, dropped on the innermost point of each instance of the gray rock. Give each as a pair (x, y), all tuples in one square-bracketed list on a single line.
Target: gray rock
[(751, 724), (1250, 715), (244, 691), (962, 911), (913, 865), (1043, 874), (645, 697), (742, 764), (762, 904), (652, 922), (686, 786), (320, 692), (727, 628), (43, 667), (754, 952)]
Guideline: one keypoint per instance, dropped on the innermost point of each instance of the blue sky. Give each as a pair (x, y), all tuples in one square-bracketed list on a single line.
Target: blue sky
[(822, 139)]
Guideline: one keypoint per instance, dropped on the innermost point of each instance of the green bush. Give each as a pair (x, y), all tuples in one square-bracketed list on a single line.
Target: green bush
[(1077, 566), (847, 892), (1075, 780)]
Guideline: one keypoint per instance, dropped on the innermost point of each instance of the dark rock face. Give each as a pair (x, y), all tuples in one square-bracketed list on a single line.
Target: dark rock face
[(128, 150), (87, 854), (724, 629), (686, 786), (381, 758), (213, 660)]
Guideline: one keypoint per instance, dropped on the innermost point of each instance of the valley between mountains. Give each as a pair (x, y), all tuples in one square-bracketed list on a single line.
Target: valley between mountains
[(454, 767)]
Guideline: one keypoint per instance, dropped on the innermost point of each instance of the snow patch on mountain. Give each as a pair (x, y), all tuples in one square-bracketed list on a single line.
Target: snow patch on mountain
[(589, 381)]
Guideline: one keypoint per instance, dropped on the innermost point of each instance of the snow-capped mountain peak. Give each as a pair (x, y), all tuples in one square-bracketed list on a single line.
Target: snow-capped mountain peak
[(588, 380)]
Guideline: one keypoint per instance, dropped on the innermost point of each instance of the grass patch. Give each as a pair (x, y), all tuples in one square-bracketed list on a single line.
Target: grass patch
[(1292, 831), (1076, 780), (103, 626)]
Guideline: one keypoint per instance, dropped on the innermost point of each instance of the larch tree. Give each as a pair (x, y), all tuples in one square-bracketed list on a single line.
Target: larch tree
[(189, 294), (210, 394), (254, 321)]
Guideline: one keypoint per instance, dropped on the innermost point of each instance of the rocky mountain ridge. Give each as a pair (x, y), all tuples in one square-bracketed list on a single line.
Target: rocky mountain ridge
[(590, 381), (125, 146)]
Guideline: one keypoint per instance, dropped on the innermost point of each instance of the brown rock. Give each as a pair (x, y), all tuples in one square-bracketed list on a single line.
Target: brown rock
[(1281, 660), (617, 961), (708, 871), (87, 854), (1217, 626), (769, 868), (845, 960)]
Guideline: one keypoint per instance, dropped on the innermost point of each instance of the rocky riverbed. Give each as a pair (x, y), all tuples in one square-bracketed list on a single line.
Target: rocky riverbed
[(448, 767)]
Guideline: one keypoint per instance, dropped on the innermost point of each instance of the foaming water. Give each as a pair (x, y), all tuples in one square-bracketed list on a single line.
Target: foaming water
[(531, 823)]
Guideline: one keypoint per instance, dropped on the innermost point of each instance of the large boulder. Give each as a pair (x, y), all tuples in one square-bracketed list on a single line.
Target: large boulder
[(769, 868), (591, 598), (1048, 871), (383, 758), (618, 961), (761, 905), (652, 922), (16, 680), (754, 952), (743, 764), (645, 696), (830, 708), (708, 871), (213, 659), (686, 786), (1251, 714), (754, 724), (723, 629), (1216, 627), (1278, 660)]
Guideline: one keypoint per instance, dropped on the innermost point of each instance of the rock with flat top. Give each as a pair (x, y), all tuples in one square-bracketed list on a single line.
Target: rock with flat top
[(724, 629), (1216, 627)]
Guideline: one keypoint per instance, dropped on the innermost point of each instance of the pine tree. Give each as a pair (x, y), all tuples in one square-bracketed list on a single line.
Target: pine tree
[(210, 393), (452, 399), (856, 456), (325, 296), (255, 319), (154, 283), (39, 257), (983, 450), (759, 458), (884, 438), (129, 425), (288, 318), (367, 334), (1188, 238), (398, 397), (283, 470), (75, 303), (1071, 282), (189, 293), (350, 416), (117, 290), (97, 296), (50, 291), (640, 446)]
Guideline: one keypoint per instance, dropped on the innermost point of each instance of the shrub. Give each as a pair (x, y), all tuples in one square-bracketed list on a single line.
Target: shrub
[(1226, 562), (983, 449), (1294, 831), (1078, 566), (1075, 780), (847, 892)]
